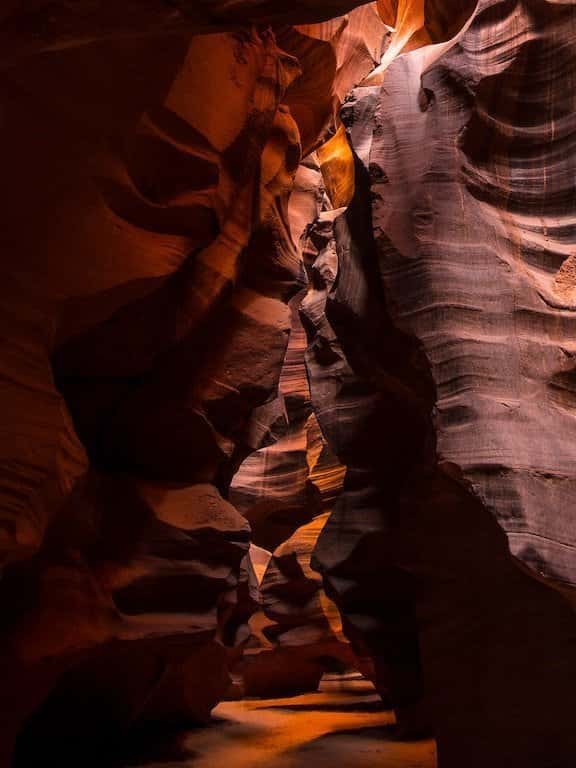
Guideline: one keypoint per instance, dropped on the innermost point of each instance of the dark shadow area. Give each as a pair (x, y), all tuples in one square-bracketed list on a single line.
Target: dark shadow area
[(335, 706), (154, 744)]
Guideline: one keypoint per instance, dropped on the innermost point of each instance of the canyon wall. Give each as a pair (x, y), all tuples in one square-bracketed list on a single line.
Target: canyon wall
[(287, 491), (161, 232), (131, 223), (444, 348), (145, 302)]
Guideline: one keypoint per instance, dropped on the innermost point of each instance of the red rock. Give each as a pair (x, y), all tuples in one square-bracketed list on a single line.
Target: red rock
[(426, 389), (154, 267)]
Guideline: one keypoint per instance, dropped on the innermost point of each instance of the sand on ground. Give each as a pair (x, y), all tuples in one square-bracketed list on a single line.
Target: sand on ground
[(342, 726)]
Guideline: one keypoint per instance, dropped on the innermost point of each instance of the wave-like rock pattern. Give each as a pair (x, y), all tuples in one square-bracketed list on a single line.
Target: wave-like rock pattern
[(123, 573), (285, 485), (454, 267), (29, 27), (297, 637), (147, 318), (146, 315), (498, 204), (286, 491)]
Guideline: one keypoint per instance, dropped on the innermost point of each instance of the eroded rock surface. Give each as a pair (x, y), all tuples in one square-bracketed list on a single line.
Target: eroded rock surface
[(145, 311), (148, 301), (122, 553), (443, 347), (287, 491)]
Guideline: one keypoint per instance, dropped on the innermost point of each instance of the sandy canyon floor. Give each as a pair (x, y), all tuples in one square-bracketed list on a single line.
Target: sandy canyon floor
[(342, 726)]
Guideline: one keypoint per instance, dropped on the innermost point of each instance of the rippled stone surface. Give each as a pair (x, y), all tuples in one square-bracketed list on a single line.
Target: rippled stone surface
[(453, 269), (161, 234)]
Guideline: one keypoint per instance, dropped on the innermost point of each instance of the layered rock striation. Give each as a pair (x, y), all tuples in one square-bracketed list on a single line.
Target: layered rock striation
[(450, 551), (152, 363), (145, 310)]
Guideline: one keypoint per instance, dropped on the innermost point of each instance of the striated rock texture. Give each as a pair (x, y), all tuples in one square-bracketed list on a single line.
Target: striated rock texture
[(302, 626), (147, 299), (286, 491), (121, 425), (284, 485), (500, 354), (145, 315), (440, 375)]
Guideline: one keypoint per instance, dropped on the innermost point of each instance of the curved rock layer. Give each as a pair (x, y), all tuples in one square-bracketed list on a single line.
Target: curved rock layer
[(297, 634), (293, 599), (29, 27), (440, 375), (115, 533), (146, 315), (501, 215), (146, 310), (286, 491), (285, 485)]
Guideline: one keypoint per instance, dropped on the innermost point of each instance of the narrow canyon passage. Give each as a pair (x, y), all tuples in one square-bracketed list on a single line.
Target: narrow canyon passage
[(288, 384)]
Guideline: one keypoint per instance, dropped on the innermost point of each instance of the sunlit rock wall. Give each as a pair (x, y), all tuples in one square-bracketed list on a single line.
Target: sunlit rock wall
[(445, 349)]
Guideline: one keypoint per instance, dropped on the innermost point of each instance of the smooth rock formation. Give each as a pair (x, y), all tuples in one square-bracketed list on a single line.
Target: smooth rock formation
[(297, 635), (145, 310), (161, 233), (443, 346), (285, 485), (136, 550), (286, 491)]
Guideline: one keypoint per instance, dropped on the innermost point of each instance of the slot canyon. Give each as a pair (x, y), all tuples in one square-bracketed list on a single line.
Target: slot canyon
[(288, 384)]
